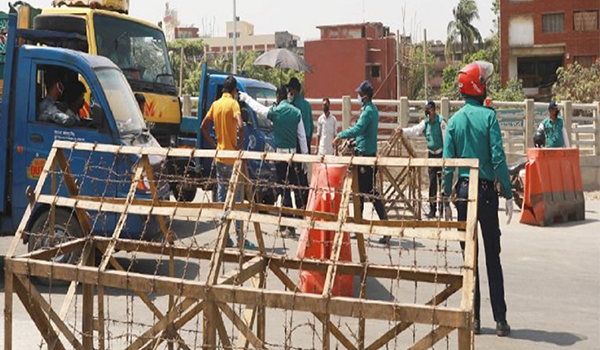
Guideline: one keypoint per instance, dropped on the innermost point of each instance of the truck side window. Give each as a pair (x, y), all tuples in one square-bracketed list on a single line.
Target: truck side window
[(62, 97)]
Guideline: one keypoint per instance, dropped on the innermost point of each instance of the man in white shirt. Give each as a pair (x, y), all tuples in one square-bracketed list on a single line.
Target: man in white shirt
[(326, 130)]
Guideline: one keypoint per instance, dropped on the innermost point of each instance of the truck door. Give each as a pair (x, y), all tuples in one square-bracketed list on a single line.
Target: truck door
[(45, 123)]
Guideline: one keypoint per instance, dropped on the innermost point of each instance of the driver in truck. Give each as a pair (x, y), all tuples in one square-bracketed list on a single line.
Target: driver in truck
[(48, 108)]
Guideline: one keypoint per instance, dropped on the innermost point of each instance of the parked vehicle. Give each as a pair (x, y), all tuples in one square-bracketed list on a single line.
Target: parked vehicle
[(516, 171), (26, 140), (138, 48), (258, 131)]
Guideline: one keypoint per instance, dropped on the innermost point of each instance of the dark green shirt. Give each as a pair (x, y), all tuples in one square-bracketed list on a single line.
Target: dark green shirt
[(433, 133), (474, 132), (307, 117), (364, 132), (554, 132), (285, 118)]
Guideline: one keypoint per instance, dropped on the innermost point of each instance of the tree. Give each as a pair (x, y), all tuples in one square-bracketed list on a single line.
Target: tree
[(193, 51), (464, 13), (416, 75), (577, 83)]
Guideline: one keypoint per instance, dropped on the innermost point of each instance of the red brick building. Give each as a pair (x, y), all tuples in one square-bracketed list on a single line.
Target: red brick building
[(539, 36), (348, 54)]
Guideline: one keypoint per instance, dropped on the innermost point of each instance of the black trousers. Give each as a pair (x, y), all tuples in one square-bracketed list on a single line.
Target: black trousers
[(366, 185), (435, 182), (487, 216), (288, 177)]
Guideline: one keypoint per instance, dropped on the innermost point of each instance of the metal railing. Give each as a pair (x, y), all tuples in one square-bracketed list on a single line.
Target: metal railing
[(518, 120)]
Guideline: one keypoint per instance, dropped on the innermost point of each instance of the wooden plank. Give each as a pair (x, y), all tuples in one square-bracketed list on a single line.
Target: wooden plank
[(63, 248), (341, 306), (137, 177), (73, 190), (339, 237), (362, 254), (271, 157), (346, 268), (195, 213), (402, 326), (8, 307), (38, 317), (466, 339), (242, 326), (431, 338), (101, 326), (333, 329), (248, 270), (37, 298), (31, 204), (470, 251), (87, 249), (87, 312)]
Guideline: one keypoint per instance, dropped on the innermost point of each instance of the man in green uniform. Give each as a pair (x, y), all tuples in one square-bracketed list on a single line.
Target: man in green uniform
[(433, 127), (554, 128), (288, 132), (364, 132), (474, 132), (295, 98)]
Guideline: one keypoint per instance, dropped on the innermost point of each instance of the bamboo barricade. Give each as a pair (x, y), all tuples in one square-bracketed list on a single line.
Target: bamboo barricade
[(228, 301)]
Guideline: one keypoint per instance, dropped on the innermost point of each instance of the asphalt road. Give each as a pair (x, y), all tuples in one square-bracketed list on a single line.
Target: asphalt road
[(552, 278)]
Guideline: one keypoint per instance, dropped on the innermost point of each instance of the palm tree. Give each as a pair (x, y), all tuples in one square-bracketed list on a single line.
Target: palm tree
[(464, 13)]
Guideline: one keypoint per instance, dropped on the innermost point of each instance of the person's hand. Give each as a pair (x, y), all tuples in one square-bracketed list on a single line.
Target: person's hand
[(244, 96), (335, 141), (510, 204)]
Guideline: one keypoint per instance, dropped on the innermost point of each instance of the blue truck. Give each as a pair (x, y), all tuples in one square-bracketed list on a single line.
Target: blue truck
[(25, 140), (258, 131)]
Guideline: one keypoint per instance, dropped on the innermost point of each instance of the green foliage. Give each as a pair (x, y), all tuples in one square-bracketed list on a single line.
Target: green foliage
[(416, 76), (577, 83), (461, 32), (193, 50), (449, 86)]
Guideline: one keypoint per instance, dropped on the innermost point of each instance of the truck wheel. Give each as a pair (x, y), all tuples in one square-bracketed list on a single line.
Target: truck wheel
[(66, 228), (182, 194)]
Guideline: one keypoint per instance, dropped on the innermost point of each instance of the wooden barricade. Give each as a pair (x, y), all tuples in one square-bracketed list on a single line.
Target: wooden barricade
[(235, 303)]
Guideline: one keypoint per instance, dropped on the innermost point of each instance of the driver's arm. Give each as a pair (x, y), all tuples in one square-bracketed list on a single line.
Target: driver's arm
[(256, 106)]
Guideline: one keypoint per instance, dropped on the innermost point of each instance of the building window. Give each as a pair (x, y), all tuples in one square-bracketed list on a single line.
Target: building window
[(585, 61), (585, 21), (538, 72), (375, 72), (553, 23), (231, 35)]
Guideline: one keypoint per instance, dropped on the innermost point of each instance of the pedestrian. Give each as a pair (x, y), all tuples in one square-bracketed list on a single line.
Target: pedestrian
[(364, 132), (296, 98), (474, 132), (226, 117), (289, 135), (554, 128), (326, 130), (433, 127)]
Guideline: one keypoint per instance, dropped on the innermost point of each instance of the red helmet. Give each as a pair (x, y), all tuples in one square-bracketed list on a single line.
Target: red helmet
[(473, 77)]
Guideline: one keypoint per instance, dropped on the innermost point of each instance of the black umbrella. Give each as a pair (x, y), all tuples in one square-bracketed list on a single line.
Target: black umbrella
[(283, 58)]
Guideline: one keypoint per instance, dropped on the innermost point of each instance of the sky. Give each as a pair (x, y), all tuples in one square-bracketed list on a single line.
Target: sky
[(302, 17)]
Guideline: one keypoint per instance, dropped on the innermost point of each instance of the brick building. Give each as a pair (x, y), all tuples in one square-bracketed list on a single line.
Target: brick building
[(348, 54), (539, 36), (186, 33)]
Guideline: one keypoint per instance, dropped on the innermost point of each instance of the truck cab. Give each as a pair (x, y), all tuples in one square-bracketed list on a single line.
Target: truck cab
[(26, 137), (258, 130), (138, 48)]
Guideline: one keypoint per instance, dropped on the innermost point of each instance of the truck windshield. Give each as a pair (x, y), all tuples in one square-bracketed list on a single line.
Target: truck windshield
[(140, 51), (121, 101)]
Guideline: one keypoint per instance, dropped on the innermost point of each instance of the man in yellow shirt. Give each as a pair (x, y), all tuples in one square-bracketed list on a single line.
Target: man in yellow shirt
[(226, 116)]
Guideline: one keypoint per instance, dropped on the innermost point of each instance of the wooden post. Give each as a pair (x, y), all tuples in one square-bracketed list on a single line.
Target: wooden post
[(187, 105), (529, 123), (8, 306), (87, 314), (445, 108), (346, 112), (597, 128), (404, 111), (568, 119)]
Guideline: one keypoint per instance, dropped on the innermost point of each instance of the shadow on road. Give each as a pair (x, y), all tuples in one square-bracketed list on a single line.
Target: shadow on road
[(539, 336)]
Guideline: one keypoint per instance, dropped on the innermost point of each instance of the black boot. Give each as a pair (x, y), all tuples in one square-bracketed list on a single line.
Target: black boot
[(502, 329)]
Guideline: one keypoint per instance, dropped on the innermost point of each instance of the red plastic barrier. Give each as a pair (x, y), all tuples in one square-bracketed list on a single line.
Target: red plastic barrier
[(318, 244), (553, 187)]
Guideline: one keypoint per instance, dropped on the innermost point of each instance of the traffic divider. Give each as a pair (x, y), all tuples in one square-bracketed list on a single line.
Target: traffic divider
[(553, 187)]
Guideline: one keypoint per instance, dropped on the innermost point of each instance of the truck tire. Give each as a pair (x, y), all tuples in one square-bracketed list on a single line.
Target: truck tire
[(66, 228)]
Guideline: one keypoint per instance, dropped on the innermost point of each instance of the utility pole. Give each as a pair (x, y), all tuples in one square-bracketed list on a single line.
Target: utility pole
[(234, 38), (398, 66), (181, 58), (425, 64)]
